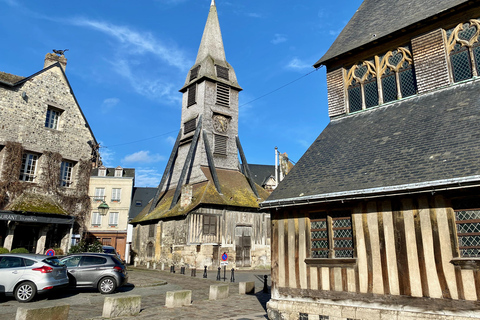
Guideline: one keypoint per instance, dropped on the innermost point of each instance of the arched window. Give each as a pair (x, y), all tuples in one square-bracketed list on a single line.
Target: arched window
[(382, 79), (464, 50)]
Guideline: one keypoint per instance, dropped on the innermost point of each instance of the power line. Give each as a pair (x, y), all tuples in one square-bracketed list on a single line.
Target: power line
[(262, 96)]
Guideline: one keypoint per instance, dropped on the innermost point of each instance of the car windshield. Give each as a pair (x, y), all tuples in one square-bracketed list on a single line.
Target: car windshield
[(109, 250)]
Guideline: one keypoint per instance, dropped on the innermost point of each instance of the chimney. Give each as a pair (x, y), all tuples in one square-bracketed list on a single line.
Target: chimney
[(51, 58)]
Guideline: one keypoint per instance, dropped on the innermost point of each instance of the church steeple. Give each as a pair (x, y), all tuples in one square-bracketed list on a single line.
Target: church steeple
[(212, 43)]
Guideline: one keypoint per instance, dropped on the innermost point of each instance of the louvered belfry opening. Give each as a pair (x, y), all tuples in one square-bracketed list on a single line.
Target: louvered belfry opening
[(192, 93), (189, 126), (223, 95), (220, 144), (194, 73), (222, 72)]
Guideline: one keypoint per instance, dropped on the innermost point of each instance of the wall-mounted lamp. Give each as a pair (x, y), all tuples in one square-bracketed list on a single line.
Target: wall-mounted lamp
[(103, 208)]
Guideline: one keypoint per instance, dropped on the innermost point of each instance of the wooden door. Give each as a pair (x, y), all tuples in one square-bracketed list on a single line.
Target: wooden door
[(243, 244)]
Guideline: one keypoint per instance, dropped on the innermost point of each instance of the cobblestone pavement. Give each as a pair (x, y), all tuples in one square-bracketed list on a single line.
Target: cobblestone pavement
[(152, 285)]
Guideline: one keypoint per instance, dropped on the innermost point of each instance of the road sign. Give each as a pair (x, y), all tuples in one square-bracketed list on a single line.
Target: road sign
[(223, 263), (50, 252), (224, 256)]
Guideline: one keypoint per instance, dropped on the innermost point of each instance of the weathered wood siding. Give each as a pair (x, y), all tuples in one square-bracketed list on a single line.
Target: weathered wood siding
[(404, 247)]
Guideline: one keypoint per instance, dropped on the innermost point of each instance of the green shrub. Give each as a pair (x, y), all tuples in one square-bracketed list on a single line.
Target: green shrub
[(58, 251), (3, 250), (83, 246), (19, 250), (96, 246)]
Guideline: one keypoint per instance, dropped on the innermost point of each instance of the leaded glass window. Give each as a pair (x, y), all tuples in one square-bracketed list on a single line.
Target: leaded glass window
[(383, 78), (468, 232), (463, 49), (331, 235)]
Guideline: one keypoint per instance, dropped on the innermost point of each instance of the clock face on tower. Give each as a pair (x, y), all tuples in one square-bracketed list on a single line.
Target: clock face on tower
[(220, 123)]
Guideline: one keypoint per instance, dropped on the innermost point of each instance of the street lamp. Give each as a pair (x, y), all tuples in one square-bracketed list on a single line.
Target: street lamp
[(103, 208)]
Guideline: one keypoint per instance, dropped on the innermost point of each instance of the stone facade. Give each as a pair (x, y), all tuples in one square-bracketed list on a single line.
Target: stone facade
[(65, 140)]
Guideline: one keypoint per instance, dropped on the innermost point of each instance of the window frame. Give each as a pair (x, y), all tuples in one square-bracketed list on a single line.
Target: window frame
[(113, 219), (329, 217), (99, 196), (28, 169), (116, 194), (52, 118), (66, 173), (96, 219), (207, 224)]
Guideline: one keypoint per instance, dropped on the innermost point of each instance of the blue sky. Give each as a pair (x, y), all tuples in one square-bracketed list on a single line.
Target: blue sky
[(127, 60)]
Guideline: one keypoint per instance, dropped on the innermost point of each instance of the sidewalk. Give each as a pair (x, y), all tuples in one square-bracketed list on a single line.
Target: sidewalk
[(238, 307)]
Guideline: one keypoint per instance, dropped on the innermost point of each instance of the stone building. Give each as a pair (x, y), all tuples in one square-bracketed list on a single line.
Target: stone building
[(114, 186), (47, 150), (380, 217), (205, 206)]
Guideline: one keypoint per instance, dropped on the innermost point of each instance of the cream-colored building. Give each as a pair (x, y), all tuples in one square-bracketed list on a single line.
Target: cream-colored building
[(115, 187)]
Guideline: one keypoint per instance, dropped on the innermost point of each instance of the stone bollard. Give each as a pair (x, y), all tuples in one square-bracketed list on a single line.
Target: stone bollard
[(47, 313), (126, 306), (246, 287), (155, 265), (219, 291), (178, 298), (148, 264)]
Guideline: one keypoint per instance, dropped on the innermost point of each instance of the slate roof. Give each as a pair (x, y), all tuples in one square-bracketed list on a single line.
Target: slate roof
[(261, 172), (9, 78), (36, 203), (140, 194), (428, 140), (381, 18), (127, 172)]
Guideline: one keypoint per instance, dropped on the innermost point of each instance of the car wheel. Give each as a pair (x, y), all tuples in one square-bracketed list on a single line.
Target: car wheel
[(25, 292), (107, 285)]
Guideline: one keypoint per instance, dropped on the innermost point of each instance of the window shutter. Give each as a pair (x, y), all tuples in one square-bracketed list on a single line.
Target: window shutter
[(220, 144), (194, 72), (223, 94), (189, 126), (192, 92), (222, 72)]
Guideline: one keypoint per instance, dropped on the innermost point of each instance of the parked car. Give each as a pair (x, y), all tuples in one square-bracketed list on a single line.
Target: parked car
[(26, 275), (111, 250), (96, 270)]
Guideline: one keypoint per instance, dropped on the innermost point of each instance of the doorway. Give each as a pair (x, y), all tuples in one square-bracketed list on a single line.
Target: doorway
[(243, 245)]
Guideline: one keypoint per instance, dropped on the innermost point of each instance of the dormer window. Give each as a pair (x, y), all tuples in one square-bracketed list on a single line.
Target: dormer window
[(383, 78), (102, 172), (463, 48), (118, 172)]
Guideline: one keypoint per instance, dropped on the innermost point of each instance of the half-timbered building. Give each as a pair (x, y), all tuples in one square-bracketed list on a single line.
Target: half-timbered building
[(380, 218), (205, 205)]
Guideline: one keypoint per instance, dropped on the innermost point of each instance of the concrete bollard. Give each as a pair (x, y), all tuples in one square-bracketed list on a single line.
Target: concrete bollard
[(219, 291), (179, 298), (114, 307), (47, 313), (148, 264), (246, 287)]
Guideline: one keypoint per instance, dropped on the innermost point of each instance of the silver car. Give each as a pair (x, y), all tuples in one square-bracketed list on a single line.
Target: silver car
[(96, 270), (25, 275)]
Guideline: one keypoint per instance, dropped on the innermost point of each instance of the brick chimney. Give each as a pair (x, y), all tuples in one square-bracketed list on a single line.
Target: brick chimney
[(51, 58)]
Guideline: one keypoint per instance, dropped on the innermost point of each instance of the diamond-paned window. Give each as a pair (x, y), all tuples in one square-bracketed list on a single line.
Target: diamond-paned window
[(468, 232), (462, 47), (331, 235), (382, 79)]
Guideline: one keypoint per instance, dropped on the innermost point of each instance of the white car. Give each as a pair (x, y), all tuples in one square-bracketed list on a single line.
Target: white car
[(25, 275)]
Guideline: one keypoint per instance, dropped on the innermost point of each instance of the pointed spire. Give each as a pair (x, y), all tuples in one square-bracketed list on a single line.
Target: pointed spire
[(212, 43)]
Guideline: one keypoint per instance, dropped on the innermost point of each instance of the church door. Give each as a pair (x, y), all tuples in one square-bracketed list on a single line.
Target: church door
[(243, 244)]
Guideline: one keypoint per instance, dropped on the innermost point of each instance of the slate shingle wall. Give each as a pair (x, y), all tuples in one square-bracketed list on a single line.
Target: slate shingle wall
[(430, 61)]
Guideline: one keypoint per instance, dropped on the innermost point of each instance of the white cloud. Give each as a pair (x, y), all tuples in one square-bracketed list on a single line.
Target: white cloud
[(147, 177), (107, 155), (139, 42), (142, 157), (109, 104), (254, 15), (279, 38), (171, 140), (297, 64)]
